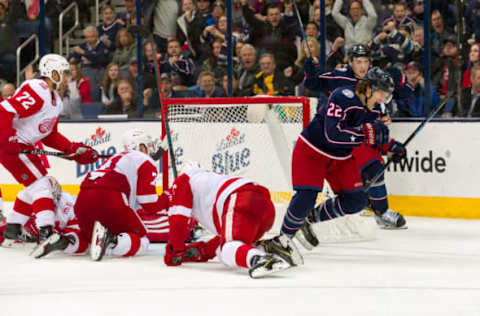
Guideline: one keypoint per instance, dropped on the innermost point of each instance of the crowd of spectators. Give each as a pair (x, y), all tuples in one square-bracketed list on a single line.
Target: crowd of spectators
[(268, 54)]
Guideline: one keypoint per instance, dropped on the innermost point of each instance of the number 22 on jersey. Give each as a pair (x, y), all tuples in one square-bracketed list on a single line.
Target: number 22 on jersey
[(334, 110)]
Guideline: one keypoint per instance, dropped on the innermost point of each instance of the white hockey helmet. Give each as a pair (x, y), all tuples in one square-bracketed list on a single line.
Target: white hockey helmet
[(53, 62), (56, 189), (133, 138)]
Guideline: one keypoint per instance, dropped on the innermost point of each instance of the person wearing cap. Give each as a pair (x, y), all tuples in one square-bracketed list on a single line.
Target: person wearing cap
[(414, 73)]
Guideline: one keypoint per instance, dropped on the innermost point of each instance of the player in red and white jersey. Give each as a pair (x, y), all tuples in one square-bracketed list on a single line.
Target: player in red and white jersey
[(236, 210), (27, 117), (109, 196), (66, 222)]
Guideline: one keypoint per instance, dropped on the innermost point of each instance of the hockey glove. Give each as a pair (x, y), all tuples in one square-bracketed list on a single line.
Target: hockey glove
[(201, 251), (310, 67), (173, 257), (397, 151), (82, 154), (376, 134)]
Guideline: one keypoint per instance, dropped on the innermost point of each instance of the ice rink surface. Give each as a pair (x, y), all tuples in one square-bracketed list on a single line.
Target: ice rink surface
[(433, 268)]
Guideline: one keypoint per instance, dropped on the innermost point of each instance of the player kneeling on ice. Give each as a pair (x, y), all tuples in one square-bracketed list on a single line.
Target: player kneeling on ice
[(108, 197), (237, 210), (27, 117)]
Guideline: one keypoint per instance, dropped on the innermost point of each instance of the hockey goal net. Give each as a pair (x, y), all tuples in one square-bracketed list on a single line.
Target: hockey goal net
[(252, 137)]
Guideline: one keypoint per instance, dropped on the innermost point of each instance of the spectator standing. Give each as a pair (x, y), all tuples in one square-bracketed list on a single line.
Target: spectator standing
[(275, 35), (190, 26), (333, 29), (129, 6), (110, 83), (270, 80), (93, 55), (439, 33), (161, 16), (107, 31), (399, 16), (125, 49), (358, 29), (82, 84), (177, 66)]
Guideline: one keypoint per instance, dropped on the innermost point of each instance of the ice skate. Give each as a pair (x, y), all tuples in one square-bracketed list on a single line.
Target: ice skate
[(265, 265), (53, 243), (306, 236), (44, 232), (102, 239), (391, 220), (284, 247), (14, 234)]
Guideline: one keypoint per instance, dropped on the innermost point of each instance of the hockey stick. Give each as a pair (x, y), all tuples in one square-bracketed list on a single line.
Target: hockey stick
[(143, 32), (409, 139), (300, 23), (56, 154)]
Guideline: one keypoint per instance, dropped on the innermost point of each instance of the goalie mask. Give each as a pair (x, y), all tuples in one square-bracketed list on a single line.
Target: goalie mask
[(134, 138), (53, 62), (56, 189)]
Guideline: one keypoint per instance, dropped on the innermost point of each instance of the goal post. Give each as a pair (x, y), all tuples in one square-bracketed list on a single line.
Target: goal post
[(252, 137)]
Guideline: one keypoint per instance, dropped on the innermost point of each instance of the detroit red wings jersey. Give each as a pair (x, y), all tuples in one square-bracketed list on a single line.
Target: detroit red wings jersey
[(203, 194), (132, 173), (64, 210), (36, 110)]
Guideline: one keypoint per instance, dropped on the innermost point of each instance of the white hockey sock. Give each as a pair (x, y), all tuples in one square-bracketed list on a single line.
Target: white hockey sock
[(237, 254), (129, 244)]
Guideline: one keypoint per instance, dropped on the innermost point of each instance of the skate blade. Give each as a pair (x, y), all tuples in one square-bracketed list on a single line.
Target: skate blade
[(97, 244), (303, 241), (388, 227), (41, 250), (262, 271)]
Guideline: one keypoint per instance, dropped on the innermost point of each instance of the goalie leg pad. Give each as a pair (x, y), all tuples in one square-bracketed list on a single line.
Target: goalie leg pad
[(300, 205)]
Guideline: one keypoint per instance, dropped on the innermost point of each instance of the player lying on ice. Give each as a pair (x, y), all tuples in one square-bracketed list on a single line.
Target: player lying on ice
[(66, 223), (105, 207), (236, 210)]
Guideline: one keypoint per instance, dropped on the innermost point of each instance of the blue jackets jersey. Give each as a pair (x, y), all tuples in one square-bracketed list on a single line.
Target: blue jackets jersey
[(337, 127), (330, 81)]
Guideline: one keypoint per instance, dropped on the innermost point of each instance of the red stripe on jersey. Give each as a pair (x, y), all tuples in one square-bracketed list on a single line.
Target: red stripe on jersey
[(216, 219), (22, 207), (241, 255), (43, 204), (135, 245)]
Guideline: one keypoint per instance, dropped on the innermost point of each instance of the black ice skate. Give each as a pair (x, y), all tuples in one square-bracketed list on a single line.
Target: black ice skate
[(305, 235), (265, 265), (53, 243), (15, 234), (44, 232), (284, 247), (102, 239), (391, 220)]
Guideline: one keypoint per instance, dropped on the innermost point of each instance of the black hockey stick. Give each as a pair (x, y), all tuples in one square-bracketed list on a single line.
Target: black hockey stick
[(59, 154), (143, 32), (409, 139), (302, 29)]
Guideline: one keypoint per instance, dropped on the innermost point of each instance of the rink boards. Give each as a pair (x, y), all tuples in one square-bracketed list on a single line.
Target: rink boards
[(439, 178)]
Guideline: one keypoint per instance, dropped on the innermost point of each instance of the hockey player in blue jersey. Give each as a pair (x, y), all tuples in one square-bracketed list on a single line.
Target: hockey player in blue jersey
[(369, 160), (324, 151)]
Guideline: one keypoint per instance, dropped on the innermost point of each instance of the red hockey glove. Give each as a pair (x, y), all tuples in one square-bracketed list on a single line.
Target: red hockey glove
[(173, 257), (376, 133), (201, 251), (82, 154), (9, 143)]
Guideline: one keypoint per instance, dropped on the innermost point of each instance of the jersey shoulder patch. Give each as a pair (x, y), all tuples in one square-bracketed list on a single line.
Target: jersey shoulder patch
[(342, 69), (348, 93)]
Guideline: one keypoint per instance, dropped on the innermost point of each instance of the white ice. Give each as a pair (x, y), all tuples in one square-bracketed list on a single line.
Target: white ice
[(433, 268)]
